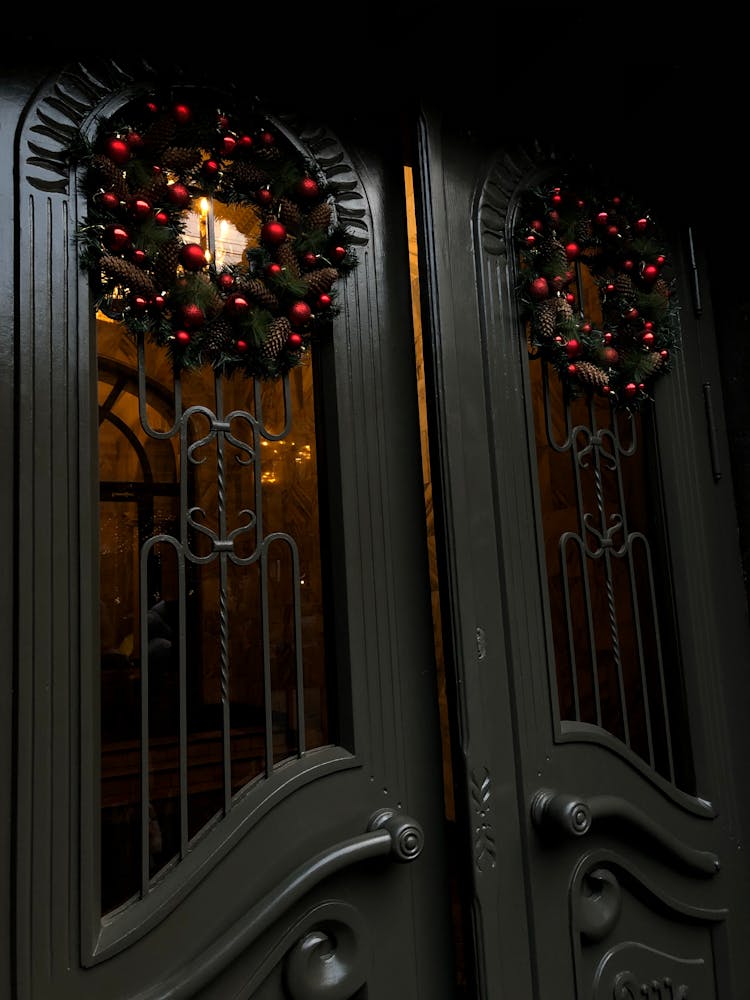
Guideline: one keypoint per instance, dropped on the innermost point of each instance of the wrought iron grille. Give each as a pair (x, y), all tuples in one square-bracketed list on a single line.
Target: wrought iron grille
[(213, 659), (617, 663)]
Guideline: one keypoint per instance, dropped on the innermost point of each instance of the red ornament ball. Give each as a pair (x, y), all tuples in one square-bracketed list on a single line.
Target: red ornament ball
[(140, 208), (611, 356), (159, 302), (140, 257), (650, 272), (299, 313), (135, 140), (110, 200), (138, 303), (538, 225), (273, 234), (244, 143), (308, 188), (116, 238), (586, 328), (531, 239), (192, 316), (631, 389), (324, 301), (117, 150), (182, 113), (572, 348), (273, 270), (161, 218), (193, 257), (210, 168), (182, 337), (264, 196), (226, 281), (309, 259), (572, 250), (241, 346), (236, 305), (267, 139), (648, 338), (228, 144), (641, 225), (338, 253), (179, 195), (539, 288), (294, 341)]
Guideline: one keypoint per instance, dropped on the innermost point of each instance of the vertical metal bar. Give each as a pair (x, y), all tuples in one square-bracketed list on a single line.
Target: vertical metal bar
[(697, 302), (711, 425), (144, 776), (263, 592), (182, 681), (223, 600), (299, 672)]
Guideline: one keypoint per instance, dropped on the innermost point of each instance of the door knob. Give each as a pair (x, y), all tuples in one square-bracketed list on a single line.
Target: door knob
[(561, 814)]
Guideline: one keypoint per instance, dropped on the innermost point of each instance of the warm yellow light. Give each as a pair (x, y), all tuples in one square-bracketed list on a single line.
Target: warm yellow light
[(204, 206)]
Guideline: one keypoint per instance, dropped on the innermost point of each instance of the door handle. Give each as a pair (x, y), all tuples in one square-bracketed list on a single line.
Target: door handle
[(558, 815)]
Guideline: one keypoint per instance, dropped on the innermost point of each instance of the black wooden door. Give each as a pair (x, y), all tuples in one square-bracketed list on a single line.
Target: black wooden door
[(275, 837), (596, 752)]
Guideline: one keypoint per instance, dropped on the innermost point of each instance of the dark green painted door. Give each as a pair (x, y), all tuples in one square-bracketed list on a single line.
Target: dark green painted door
[(597, 752), (235, 852)]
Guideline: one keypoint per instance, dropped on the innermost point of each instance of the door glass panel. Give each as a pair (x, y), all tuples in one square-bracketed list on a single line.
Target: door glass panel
[(213, 661), (613, 627)]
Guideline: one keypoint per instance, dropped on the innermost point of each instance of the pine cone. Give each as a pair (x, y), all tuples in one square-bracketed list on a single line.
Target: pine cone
[(160, 134), (318, 217), (165, 264), (545, 317), (277, 336), (286, 256), (648, 365), (624, 284), (321, 280), (247, 176), (552, 250), (127, 275), (112, 177), (179, 158), (218, 336), (591, 375), (563, 308), (583, 230), (289, 213), (155, 189), (261, 293)]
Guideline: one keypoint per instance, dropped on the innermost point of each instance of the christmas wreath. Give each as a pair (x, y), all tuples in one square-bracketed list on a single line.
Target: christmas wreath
[(257, 315), (628, 338)]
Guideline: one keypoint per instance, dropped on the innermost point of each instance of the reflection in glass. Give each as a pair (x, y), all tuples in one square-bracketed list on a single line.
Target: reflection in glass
[(211, 595)]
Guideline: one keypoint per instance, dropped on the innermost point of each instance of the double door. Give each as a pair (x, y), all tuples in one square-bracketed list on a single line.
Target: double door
[(467, 775)]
